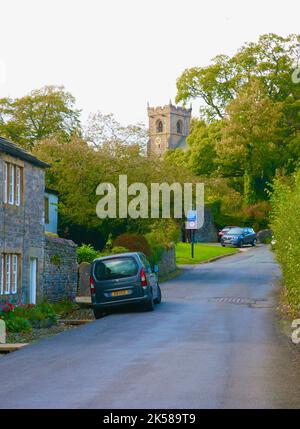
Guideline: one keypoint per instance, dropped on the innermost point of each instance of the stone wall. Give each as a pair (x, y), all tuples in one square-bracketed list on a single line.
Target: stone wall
[(60, 269), (84, 279), (167, 263), (208, 233), (264, 236)]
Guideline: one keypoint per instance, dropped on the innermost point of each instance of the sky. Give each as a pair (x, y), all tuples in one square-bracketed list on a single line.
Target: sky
[(117, 55)]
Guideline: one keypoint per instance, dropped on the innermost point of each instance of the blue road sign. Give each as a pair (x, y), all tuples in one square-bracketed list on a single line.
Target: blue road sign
[(192, 216)]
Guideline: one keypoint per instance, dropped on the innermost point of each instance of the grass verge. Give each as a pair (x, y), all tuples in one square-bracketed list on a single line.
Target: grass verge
[(203, 253)]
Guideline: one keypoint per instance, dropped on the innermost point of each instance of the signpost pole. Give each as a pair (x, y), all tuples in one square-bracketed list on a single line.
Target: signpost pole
[(193, 232), (192, 226)]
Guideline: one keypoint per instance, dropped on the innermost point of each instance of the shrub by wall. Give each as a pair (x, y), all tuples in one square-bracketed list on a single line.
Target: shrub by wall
[(285, 223), (133, 242)]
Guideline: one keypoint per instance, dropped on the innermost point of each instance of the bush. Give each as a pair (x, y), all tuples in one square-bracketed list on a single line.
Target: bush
[(38, 316), (157, 248), (257, 215), (285, 223), (133, 242), (64, 307), (86, 253), (119, 249), (5, 308), (18, 324)]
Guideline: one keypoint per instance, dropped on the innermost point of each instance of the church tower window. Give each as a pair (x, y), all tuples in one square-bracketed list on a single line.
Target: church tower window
[(179, 127), (159, 126)]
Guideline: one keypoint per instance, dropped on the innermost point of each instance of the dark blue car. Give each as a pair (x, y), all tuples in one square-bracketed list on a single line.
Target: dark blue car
[(122, 279), (238, 237)]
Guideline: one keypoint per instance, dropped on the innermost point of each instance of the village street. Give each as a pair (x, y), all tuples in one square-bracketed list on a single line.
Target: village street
[(213, 342)]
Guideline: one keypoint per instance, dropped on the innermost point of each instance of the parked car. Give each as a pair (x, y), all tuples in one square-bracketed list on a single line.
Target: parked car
[(224, 231), (126, 278), (239, 236)]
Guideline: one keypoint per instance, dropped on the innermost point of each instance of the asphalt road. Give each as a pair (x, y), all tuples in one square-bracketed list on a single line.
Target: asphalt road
[(214, 342)]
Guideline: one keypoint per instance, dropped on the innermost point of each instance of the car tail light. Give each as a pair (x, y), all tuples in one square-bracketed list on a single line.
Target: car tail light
[(143, 278), (92, 285)]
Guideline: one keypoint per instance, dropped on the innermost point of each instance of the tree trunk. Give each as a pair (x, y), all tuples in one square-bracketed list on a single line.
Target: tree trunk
[(249, 189)]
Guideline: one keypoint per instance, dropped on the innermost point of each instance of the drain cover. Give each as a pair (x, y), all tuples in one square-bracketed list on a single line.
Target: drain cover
[(240, 301)]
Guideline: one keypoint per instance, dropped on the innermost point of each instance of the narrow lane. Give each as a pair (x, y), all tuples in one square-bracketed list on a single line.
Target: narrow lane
[(214, 342)]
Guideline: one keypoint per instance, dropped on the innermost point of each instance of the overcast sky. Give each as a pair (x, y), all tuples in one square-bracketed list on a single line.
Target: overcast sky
[(116, 55)]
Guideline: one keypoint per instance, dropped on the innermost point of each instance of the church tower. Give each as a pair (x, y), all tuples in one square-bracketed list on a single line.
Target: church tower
[(169, 127)]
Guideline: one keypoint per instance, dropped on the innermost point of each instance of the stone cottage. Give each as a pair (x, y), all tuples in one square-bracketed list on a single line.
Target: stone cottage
[(21, 223), (22, 230)]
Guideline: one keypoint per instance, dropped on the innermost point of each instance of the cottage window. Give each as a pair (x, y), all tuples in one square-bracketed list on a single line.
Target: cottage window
[(9, 274), (2, 276), (5, 181), (11, 184), (13, 179), (14, 286), (18, 186)]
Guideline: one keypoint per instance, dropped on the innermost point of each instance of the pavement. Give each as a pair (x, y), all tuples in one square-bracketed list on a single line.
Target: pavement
[(214, 342)]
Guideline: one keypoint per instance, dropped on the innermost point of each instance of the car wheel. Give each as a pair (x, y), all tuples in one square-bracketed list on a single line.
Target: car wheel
[(98, 314), (150, 304), (158, 299), (254, 243), (222, 244)]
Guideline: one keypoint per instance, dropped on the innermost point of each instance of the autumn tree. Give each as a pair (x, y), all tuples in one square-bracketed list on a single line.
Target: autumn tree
[(40, 114), (101, 129), (249, 142)]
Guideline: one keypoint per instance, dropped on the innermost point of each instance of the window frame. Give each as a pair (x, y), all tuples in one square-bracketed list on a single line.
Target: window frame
[(13, 179), (10, 273)]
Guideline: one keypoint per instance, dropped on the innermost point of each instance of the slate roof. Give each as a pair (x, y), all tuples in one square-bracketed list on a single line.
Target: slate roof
[(51, 191), (14, 150)]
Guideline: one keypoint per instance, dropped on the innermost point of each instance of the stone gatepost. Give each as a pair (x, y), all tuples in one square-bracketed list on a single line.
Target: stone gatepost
[(2, 332)]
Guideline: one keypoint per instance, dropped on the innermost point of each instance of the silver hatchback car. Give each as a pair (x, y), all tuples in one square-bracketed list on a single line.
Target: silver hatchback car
[(122, 279)]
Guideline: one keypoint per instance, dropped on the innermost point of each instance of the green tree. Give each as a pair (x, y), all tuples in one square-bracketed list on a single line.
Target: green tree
[(77, 168), (202, 142), (270, 60), (40, 114), (248, 146)]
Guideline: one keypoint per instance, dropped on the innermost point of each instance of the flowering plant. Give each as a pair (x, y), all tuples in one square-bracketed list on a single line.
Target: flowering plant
[(7, 307)]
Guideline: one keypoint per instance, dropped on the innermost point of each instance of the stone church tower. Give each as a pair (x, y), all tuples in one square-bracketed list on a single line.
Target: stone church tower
[(168, 128)]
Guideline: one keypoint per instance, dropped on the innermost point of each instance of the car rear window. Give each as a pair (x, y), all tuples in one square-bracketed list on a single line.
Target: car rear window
[(236, 231), (116, 268)]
